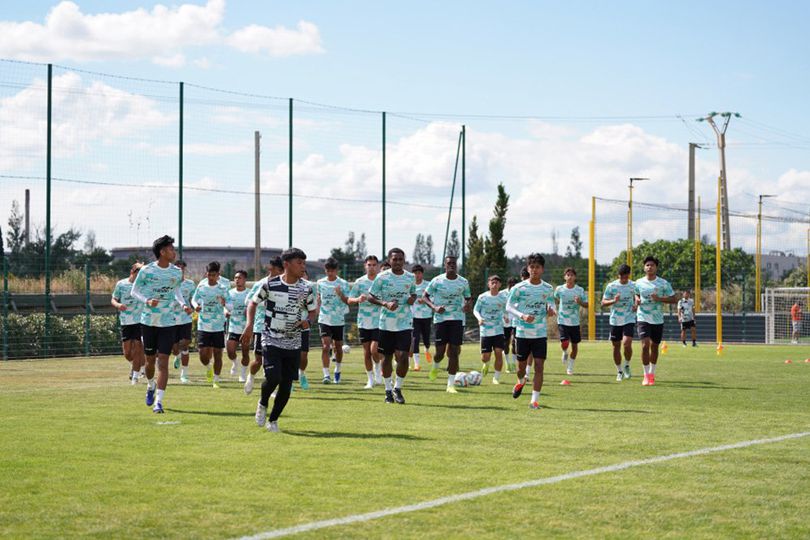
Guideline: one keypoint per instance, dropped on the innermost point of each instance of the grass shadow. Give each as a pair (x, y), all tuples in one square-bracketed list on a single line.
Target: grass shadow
[(348, 435), (210, 413)]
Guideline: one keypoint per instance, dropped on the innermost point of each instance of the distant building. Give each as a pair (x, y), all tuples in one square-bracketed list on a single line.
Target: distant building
[(777, 263)]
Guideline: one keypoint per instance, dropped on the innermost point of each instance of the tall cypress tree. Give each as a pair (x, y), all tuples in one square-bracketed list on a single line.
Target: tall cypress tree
[(495, 244), (475, 265)]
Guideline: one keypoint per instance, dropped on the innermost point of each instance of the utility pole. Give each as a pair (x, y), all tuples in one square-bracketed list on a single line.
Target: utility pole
[(257, 247), (721, 146), (27, 216), (629, 251), (691, 225), (758, 270)]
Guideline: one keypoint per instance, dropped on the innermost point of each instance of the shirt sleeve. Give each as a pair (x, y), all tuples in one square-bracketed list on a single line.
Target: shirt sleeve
[(116, 294), (511, 303), (312, 303), (431, 287), (195, 297), (668, 289), (178, 297), (376, 287), (136, 287), (467, 292), (476, 307), (260, 295)]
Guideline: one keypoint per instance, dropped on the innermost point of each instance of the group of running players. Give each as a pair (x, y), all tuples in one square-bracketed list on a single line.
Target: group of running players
[(395, 311)]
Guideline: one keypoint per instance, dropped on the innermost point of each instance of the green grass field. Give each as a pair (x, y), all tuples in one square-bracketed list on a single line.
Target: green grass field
[(81, 455)]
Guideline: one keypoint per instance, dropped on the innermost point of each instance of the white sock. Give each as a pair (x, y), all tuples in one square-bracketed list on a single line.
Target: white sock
[(250, 375), (233, 364), (451, 380), (513, 357), (528, 371), (216, 378), (244, 371), (152, 384), (326, 372), (301, 373), (652, 369), (625, 363), (370, 374), (399, 382), (416, 358), (159, 397), (619, 368), (143, 371), (646, 369), (497, 375), (388, 384), (183, 371), (378, 368), (337, 367), (571, 364), (133, 375), (535, 396)]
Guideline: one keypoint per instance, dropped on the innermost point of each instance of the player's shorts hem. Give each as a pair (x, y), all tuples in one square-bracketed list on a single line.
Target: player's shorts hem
[(537, 348), (620, 331), (655, 332), (686, 325), (449, 333), (369, 334), (233, 336), (335, 333), (488, 343), (215, 340), (183, 331), (286, 361), (131, 332), (394, 340), (570, 333), (158, 339)]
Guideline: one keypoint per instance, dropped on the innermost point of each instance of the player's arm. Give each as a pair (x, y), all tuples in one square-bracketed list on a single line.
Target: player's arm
[(606, 301), (512, 309), (339, 293), (467, 304), (138, 293), (247, 334), (116, 301), (436, 308), (578, 299), (178, 297), (477, 311), (356, 299), (673, 298), (195, 300)]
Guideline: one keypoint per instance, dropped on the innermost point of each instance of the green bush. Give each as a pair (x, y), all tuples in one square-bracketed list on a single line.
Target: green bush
[(26, 335)]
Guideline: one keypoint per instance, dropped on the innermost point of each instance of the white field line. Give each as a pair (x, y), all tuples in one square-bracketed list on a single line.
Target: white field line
[(359, 518)]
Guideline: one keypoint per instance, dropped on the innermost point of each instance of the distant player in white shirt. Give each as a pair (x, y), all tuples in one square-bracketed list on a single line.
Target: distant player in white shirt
[(236, 313), (620, 296), (184, 323), (652, 292), (422, 318), (489, 310), (686, 316), (129, 312), (569, 297), (333, 305), (509, 330), (209, 301), (368, 320)]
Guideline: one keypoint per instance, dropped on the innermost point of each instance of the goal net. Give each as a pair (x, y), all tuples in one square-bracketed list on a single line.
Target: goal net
[(787, 317)]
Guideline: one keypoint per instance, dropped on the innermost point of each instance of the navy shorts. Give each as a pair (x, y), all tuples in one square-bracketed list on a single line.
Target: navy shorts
[(536, 347), (369, 334)]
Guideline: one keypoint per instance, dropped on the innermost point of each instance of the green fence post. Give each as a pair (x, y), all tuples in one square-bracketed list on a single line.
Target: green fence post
[(180, 179), (290, 166), (87, 309), (5, 307), (382, 253), (463, 197), (46, 345)]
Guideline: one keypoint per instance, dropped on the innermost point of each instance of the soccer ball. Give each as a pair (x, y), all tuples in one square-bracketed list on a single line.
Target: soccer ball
[(474, 378), (346, 349), (461, 379)]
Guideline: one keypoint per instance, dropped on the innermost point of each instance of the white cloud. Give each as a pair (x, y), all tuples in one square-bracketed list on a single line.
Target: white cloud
[(160, 35)]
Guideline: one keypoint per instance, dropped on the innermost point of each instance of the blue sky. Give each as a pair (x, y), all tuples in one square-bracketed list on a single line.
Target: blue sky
[(588, 69)]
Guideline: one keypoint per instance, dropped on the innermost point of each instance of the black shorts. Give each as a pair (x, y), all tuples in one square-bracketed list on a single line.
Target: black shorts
[(421, 330), (335, 333), (570, 333), (449, 333), (491, 342), (158, 339), (536, 347), (234, 337), (369, 334), (211, 339), (305, 341), (391, 340), (131, 332), (685, 325), (508, 333), (619, 331), (653, 331), (183, 331), (257, 342), (286, 361)]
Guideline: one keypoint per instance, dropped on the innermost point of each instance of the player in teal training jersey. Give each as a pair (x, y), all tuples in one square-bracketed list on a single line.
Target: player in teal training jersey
[(368, 320), (422, 318), (489, 309), (209, 300), (236, 312), (570, 297), (620, 296), (129, 314), (183, 323), (332, 305), (652, 292)]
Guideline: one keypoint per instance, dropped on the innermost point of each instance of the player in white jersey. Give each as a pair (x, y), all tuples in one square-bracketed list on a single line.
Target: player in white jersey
[(158, 287), (509, 330), (531, 302), (489, 310), (368, 320), (235, 312), (184, 322), (620, 296), (276, 268), (569, 297), (209, 301), (129, 314), (332, 306), (422, 318), (652, 292), (686, 316)]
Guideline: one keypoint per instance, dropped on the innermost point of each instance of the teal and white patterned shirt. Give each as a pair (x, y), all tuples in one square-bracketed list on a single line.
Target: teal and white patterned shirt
[(621, 312), (123, 294), (187, 291), (528, 299), (212, 314), (491, 310), (451, 294), (687, 309), (508, 318), (258, 321), (388, 287), (333, 310), (235, 302), (368, 314), (649, 310), (163, 285), (419, 308), (568, 312)]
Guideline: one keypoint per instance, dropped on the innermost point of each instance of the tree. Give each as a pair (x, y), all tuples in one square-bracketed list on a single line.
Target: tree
[(495, 244), (453, 245), (15, 233), (423, 250), (796, 277), (360, 251), (475, 268), (555, 244), (574, 249), (418, 249), (429, 256), (351, 252)]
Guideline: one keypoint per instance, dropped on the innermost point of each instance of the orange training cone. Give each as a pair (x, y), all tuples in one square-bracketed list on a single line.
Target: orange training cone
[(565, 382)]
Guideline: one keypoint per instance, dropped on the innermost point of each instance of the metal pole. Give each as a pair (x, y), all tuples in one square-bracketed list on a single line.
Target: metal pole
[(718, 260), (180, 180), (592, 273), (629, 254), (5, 307), (290, 191), (46, 345), (87, 309), (691, 223), (723, 195), (463, 194), (382, 253), (758, 269), (27, 216), (452, 194), (257, 224), (698, 254)]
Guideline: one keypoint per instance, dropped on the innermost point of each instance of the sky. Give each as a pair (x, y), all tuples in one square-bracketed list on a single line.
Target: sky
[(561, 102)]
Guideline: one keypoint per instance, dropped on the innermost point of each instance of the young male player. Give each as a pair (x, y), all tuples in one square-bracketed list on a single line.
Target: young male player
[(795, 322), (129, 315), (686, 316), (332, 302), (509, 329), (290, 306), (395, 291), (652, 292), (570, 297), (158, 286), (620, 296), (183, 325), (531, 301), (236, 311), (276, 268), (422, 317), (489, 310), (449, 296), (209, 301), (368, 319)]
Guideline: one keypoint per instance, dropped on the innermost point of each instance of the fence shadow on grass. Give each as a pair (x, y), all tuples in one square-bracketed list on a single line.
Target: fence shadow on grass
[(349, 435)]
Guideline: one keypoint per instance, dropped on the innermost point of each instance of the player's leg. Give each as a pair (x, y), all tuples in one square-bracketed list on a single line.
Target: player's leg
[(539, 349), (508, 348), (289, 373), (401, 346), (126, 348), (219, 346), (165, 341), (426, 324), (616, 344), (575, 337), (230, 349), (376, 357), (656, 337), (683, 334), (337, 347), (694, 334), (138, 361), (416, 336), (150, 354), (304, 362), (326, 347), (368, 363), (565, 341), (628, 331), (271, 362), (245, 361), (498, 344), (441, 349), (453, 353), (386, 348), (486, 353)]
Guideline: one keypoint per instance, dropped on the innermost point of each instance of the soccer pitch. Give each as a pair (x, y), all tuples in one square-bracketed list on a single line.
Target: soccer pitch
[(81, 455)]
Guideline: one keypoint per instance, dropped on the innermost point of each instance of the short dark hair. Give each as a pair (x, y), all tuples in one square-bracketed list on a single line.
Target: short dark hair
[(624, 270), (418, 268), (450, 257), (395, 250), (180, 263), (240, 272), (331, 263), (494, 277), (275, 262), (213, 266), (292, 253), (650, 258), (160, 243), (524, 272), (385, 263), (570, 269), (371, 258), (536, 258), (511, 282)]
